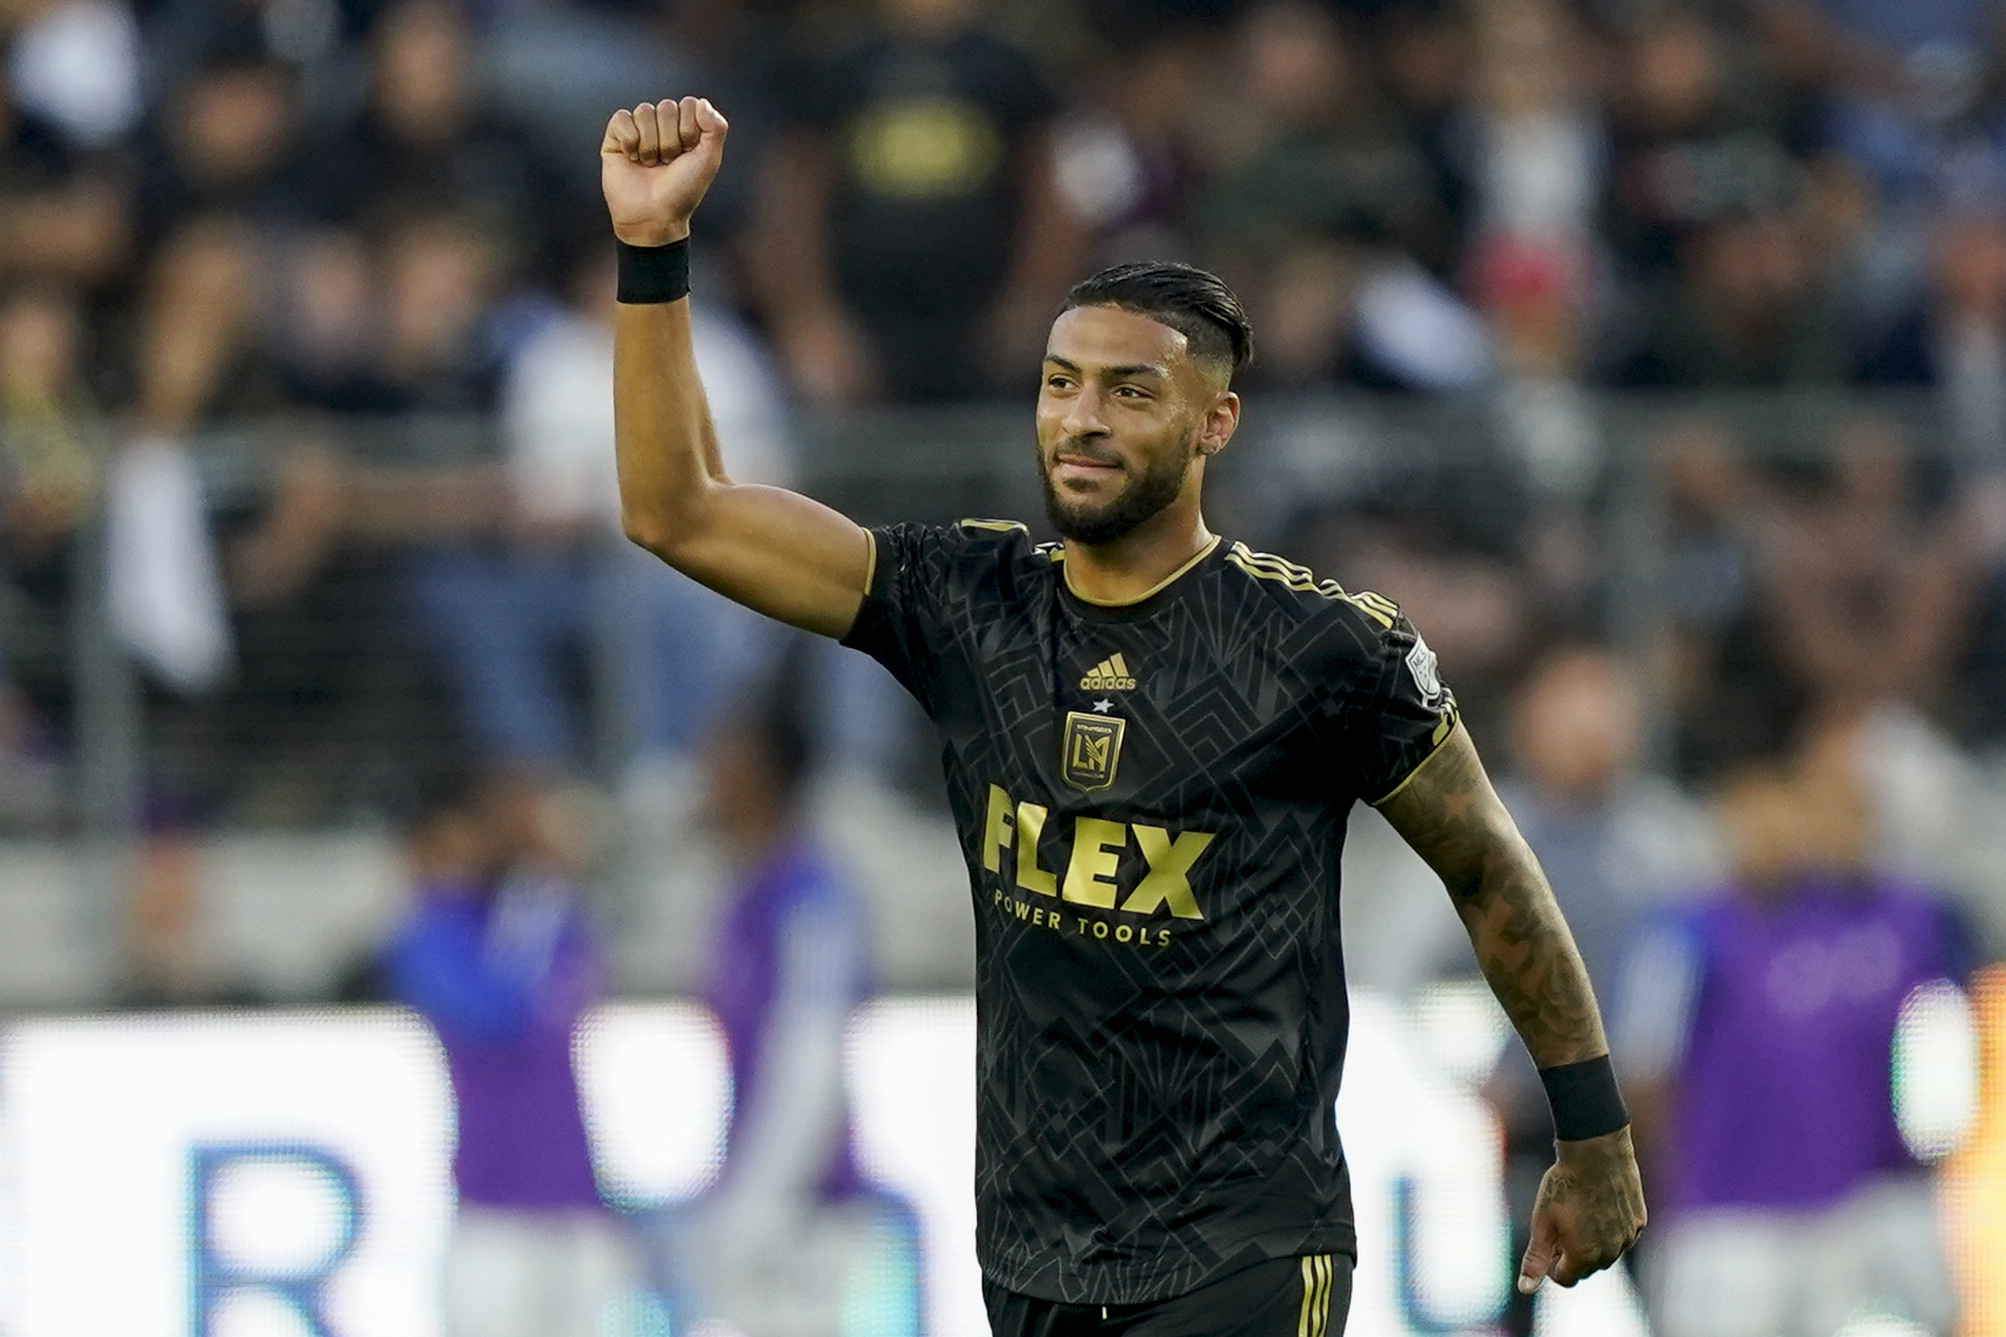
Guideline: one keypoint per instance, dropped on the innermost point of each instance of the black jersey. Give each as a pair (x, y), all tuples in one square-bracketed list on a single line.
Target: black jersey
[(1152, 800)]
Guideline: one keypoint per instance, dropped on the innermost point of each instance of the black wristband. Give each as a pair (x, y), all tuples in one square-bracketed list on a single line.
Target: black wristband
[(1584, 1099), (654, 273)]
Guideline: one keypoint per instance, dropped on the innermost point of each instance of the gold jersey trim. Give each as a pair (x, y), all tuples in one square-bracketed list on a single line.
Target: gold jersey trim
[(870, 561), (1267, 566), (1444, 731), (1151, 592)]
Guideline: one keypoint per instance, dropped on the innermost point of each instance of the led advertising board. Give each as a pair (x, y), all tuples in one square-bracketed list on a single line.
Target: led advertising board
[(286, 1174)]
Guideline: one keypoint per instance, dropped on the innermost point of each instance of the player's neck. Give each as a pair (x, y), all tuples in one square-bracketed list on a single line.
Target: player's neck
[(1133, 566)]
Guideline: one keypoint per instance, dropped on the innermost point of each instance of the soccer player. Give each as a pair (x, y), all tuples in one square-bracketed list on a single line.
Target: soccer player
[(1152, 738)]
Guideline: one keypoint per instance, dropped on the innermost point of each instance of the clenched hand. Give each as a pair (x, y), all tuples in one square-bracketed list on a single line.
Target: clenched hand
[(655, 164), (1589, 1211)]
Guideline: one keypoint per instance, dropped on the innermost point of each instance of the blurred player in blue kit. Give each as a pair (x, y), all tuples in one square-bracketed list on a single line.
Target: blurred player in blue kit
[(497, 954)]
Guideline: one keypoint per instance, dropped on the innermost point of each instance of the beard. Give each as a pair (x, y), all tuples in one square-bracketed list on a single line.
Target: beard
[(1142, 497)]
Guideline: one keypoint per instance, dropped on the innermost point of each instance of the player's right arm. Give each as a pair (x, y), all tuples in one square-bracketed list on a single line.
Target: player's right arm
[(772, 550)]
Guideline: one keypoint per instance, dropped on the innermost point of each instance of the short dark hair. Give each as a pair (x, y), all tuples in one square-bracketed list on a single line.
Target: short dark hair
[(1196, 304)]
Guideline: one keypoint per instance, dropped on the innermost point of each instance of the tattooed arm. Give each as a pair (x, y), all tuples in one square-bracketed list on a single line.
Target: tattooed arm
[(1591, 1203), (1452, 817)]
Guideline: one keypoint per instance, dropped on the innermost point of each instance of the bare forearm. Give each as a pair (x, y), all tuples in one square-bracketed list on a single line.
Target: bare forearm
[(773, 551), (1453, 818)]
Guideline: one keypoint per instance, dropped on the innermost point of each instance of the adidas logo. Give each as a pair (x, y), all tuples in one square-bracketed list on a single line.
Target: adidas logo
[(1110, 675)]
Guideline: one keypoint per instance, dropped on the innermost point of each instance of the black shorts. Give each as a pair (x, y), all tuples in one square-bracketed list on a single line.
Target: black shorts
[(1288, 1297)]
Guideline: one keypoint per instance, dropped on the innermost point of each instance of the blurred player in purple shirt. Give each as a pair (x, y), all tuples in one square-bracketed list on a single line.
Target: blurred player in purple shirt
[(1758, 1030), (498, 956), (778, 1241)]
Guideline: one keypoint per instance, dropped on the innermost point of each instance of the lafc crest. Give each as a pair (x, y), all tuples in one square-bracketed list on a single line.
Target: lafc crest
[(1092, 750)]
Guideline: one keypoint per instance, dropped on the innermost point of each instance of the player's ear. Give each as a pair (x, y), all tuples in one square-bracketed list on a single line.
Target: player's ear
[(1221, 421)]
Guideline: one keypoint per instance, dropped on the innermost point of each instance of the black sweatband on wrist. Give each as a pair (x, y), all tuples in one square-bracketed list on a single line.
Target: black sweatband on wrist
[(654, 273), (1584, 1099)]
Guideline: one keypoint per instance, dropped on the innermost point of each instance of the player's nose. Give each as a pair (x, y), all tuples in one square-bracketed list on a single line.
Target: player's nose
[(1083, 416)]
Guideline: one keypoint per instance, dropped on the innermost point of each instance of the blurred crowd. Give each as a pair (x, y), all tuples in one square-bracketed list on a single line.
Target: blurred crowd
[(316, 215), (369, 206), (376, 222)]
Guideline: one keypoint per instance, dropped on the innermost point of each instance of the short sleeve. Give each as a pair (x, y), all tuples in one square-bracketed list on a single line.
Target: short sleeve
[(1408, 714), (901, 604)]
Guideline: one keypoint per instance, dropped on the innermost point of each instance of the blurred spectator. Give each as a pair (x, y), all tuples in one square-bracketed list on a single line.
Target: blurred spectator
[(322, 561), (50, 428), (556, 71), (1539, 157), (50, 475), (1128, 159), (1824, 582), (227, 140), (497, 954), (315, 39), (1867, 585), (1424, 58), (1693, 142), (196, 354), (1750, 307), (560, 586), (1539, 170), (1903, 81), (224, 174), (767, 1249), (444, 274), (1324, 202), (427, 143), (295, 614), (1616, 843), (199, 622), (328, 322), (1315, 151), (64, 205), (915, 240), (1953, 336), (1755, 1030), (197, 357), (1727, 700)]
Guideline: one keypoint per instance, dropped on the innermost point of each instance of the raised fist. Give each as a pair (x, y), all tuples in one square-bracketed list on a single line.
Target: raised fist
[(655, 165)]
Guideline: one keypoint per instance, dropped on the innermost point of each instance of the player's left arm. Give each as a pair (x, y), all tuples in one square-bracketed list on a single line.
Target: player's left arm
[(1591, 1203)]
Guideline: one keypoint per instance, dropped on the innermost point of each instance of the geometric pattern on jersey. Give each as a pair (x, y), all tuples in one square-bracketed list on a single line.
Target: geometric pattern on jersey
[(1160, 993)]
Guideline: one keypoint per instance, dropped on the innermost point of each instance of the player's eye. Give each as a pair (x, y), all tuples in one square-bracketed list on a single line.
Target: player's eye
[(1132, 392), (1055, 381)]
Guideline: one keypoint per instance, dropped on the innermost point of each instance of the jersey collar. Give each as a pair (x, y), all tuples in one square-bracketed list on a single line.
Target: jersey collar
[(1122, 610)]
